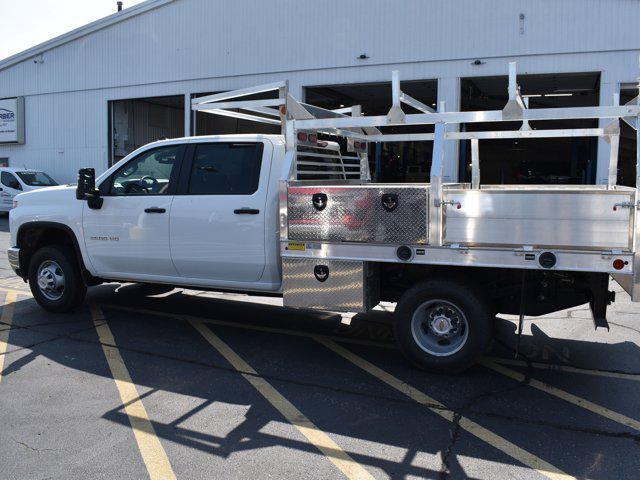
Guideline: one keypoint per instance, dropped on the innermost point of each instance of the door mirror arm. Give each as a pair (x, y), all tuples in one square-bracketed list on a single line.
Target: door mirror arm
[(86, 189)]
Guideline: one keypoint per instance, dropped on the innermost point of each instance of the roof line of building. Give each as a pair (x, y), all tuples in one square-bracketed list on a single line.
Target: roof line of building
[(82, 31)]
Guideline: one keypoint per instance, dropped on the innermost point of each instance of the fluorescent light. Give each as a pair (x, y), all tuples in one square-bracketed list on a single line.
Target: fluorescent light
[(341, 106), (532, 96), (558, 94)]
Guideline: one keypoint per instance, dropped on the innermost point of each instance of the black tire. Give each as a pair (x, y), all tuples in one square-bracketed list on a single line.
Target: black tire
[(74, 291), (434, 296)]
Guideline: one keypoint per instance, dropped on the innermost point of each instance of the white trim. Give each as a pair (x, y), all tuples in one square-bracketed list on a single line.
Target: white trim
[(82, 31)]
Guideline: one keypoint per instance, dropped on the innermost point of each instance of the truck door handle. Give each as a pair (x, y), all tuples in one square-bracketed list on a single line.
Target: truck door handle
[(246, 211), (154, 210)]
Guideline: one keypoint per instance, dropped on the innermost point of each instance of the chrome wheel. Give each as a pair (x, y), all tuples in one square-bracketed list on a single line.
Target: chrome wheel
[(51, 281), (439, 328)]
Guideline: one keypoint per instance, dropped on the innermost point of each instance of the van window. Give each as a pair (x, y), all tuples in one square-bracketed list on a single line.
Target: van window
[(37, 179), (8, 180), (226, 169)]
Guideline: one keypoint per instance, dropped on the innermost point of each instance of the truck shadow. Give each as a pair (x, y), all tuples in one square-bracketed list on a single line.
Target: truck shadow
[(354, 407)]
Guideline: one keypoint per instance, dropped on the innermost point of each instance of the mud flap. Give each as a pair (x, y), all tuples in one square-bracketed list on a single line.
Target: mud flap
[(601, 297)]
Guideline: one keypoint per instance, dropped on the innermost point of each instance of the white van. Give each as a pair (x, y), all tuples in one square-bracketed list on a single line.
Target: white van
[(15, 180)]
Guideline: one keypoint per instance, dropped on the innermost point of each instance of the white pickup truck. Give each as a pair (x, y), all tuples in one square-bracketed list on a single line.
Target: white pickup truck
[(256, 214)]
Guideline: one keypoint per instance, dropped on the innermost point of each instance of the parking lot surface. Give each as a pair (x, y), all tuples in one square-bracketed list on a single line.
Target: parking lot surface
[(147, 382)]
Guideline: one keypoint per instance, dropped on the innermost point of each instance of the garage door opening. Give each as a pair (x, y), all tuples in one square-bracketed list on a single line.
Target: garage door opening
[(529, 161), (204, 123), (136, 122), (628, 142), (391, 162)]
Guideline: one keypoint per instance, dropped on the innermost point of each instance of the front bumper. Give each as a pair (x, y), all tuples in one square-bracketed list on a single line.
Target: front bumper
[(13, 253)]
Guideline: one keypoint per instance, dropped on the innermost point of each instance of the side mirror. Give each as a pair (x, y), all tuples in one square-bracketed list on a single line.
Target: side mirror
[(86, 189)]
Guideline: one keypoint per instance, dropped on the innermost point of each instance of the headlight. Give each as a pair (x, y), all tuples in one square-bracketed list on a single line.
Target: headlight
[(15, 204)]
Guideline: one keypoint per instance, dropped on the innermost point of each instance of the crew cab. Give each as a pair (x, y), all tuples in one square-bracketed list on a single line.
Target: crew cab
[(291, 215)]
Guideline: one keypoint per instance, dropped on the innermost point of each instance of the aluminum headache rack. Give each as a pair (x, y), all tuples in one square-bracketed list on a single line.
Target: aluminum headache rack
[(330, 212)]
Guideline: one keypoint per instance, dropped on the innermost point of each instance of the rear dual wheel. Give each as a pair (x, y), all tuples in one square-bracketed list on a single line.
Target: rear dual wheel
[(443, 325)]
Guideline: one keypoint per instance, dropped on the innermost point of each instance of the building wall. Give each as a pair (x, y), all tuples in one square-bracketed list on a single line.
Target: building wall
[(191, 46)]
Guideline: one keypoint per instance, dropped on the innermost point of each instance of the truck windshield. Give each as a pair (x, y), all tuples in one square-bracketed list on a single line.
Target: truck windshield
[(37, 179)]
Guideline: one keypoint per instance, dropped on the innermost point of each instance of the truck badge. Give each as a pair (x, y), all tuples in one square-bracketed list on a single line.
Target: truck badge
[(390, 201), (319, 201)]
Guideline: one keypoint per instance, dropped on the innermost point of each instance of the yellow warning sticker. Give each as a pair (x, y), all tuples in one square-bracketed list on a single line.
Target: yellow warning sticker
[(296, 246)]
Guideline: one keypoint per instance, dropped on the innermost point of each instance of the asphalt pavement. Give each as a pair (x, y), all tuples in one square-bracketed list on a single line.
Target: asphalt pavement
[(146, 382)]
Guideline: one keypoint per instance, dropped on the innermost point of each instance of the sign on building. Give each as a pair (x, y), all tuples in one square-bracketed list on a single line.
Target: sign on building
[(12, 120)]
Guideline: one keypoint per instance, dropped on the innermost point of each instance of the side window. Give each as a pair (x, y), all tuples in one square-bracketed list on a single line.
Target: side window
[(152, 173), (8, 180), (226, 169)]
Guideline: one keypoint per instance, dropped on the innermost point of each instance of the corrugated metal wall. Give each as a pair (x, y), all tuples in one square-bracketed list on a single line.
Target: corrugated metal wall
[(200, 45)]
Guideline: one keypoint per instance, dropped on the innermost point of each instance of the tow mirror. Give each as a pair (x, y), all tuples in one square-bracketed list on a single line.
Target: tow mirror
[(86, 189)]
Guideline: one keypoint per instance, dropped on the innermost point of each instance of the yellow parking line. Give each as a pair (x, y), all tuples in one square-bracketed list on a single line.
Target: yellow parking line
[(13, 289), (341, 459), (569, 397), (153, 455), (565, 368), (7, 319), (470, 426)]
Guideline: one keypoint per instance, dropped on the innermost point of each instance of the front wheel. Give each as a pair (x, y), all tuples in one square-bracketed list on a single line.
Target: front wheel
[(443, 325), (55, 279)]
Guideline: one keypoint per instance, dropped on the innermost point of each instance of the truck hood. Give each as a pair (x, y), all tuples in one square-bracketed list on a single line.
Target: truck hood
[(47, 195)]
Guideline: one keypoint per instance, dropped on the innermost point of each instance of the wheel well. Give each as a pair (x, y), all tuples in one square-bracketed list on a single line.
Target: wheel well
[(32, 237)]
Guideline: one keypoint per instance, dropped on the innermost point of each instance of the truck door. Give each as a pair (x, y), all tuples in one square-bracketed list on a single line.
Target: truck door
[(10, 188), (218, 220), (129, 236)]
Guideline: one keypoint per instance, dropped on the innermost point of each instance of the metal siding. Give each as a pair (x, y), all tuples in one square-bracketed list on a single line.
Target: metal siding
[(194, 46), (197, 39)]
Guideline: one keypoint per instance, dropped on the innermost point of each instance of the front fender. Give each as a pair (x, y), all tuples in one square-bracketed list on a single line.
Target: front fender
[(56, 207)]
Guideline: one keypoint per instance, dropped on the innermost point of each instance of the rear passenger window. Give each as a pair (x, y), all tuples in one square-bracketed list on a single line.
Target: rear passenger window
[(226, 169)]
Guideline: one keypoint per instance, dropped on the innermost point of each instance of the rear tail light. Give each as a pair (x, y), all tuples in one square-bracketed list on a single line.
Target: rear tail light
[(306, 137), (619, 264), (360, 146)]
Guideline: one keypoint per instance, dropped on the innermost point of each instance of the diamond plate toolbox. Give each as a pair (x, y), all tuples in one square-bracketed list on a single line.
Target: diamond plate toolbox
[(359, 213), (334, 285)]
